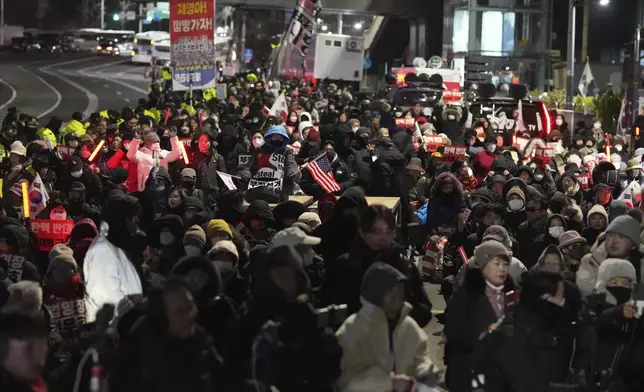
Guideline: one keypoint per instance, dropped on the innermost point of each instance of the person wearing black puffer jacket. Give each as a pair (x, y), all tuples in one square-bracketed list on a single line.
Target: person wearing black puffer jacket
[(278, 341), (206, 162), (388, 176), (229, 145), (361, 160)]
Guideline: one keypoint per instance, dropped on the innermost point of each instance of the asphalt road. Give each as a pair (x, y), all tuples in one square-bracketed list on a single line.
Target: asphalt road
[(58, 85)]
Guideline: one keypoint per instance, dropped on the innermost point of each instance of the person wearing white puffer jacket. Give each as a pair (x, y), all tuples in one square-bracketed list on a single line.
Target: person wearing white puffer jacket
[(382, 346)]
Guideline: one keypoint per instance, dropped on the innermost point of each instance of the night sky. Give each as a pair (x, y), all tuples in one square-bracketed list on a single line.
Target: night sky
[(610, 27)]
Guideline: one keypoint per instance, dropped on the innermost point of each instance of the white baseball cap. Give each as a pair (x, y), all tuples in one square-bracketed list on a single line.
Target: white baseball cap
[(294, 236)]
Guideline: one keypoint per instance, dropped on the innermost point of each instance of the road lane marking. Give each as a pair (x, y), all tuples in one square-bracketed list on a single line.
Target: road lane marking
[(92, 105), (127, 100), (100, 66), (59, 97), (14, 93), (119, 93), (106, 85), (96, 75)]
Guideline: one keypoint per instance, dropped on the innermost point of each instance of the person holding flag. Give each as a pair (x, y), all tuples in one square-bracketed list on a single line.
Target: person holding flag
[(326, 174)]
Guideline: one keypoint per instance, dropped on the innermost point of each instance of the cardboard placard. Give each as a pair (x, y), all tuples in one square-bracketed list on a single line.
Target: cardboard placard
[(244, 159), (51, 232), (64, 151), (452, 153), (583, 180), (407, 122), (432, 143)]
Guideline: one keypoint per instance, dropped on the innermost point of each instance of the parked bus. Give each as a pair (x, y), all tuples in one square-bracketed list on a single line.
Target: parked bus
[(144, 43)]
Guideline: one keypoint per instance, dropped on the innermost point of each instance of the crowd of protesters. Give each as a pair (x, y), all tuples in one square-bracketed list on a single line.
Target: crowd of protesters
[(188, 266)]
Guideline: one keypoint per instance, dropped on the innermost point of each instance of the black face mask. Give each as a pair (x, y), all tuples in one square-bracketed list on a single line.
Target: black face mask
[(188, 184), (276, 143), (621, 294), (330, 156), (363, 141), (577, 254)]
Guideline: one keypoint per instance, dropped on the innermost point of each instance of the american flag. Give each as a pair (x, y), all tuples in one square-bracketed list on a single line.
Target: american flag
[(320, 170)]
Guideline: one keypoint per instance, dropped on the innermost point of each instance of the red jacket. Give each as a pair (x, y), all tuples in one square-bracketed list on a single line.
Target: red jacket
[(119, 159), (482, 164)]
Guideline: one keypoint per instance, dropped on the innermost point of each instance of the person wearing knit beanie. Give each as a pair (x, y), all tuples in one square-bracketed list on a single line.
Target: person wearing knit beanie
[(150, 139), (622, 237), (61, 263), (493, 259), (225, 257), (194, 241), (516, 199), (616, 278), (597, 221), (218, 230)]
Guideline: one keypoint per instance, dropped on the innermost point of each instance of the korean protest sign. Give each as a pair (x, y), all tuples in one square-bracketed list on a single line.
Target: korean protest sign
[(192, 37)]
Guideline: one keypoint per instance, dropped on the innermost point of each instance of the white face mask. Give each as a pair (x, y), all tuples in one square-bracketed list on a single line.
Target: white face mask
[(166, 238), (185, 130), (515, 205), (192, 250), (77, 174), (556, 231), (355, 129), (427, 111), (399, 114), (73, 144), (559, 121), (451, 118), (490, 147), (258, 142), (538, 177), (597, 125), (618, 148)]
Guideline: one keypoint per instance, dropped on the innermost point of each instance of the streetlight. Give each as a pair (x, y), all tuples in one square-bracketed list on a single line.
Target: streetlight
[(116, 17), (357, 26), (324, 27), (570, 74)]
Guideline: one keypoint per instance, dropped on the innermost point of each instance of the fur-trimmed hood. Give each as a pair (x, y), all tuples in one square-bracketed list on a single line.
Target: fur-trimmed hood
[(447, 177)]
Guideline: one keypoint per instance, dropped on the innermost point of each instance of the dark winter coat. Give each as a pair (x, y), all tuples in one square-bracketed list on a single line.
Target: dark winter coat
[(443, 209), (524, 355), (154, 362), (207, 178), (469, 313), (388, 176), (339, 231), (344, 277)]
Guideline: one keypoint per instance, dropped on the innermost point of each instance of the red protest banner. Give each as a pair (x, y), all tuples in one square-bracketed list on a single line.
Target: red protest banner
[(452, 153), (543, 155), (432, 143), (407, 122), (583, 180), (64, 151), (51, 232)]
